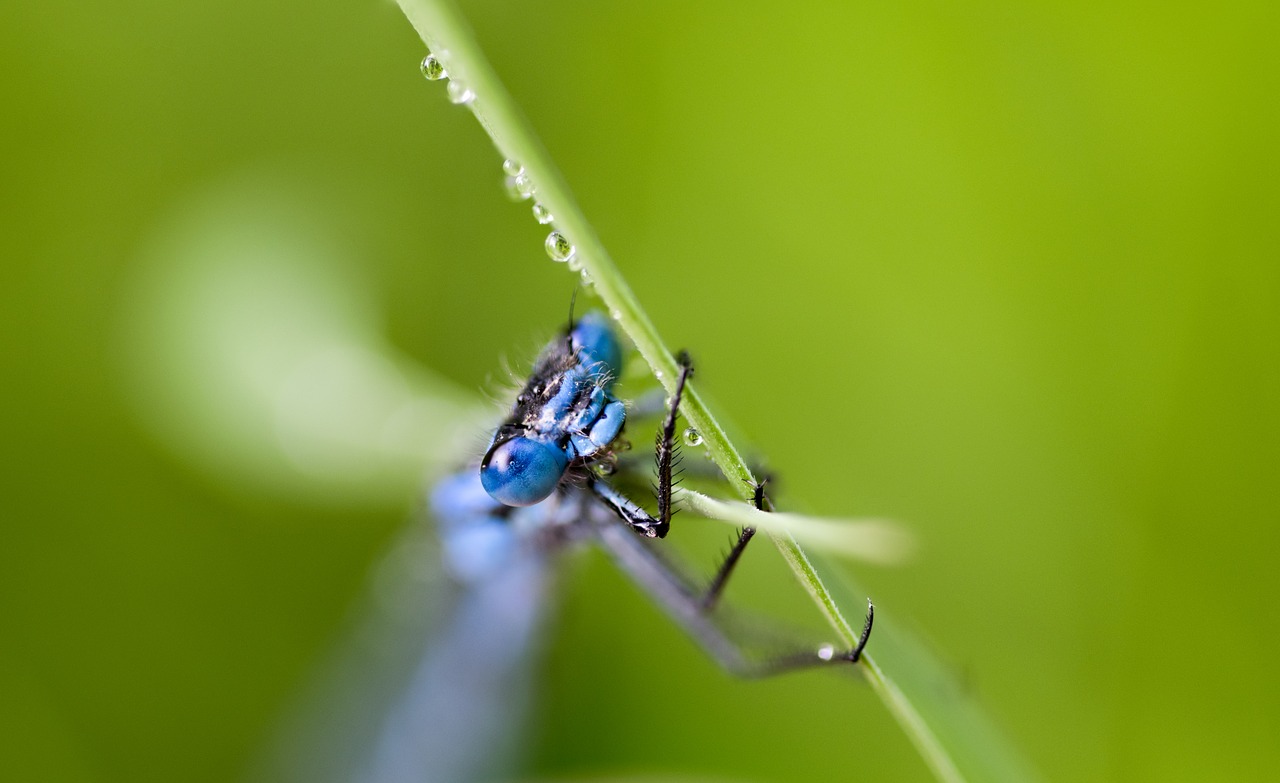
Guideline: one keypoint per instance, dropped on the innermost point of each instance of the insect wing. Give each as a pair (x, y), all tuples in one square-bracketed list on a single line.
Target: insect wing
[(433, 682)]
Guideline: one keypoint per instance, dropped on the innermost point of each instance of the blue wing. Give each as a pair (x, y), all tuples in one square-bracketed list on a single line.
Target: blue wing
[(435, 682)]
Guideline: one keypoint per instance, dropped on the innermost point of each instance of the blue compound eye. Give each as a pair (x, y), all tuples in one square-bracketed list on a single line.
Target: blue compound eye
[(522, 471)]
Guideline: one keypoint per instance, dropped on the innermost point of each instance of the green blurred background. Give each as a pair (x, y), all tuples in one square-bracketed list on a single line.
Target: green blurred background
[(1008, 274)]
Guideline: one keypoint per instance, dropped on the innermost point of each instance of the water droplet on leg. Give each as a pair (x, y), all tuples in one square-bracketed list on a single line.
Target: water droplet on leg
[(692, 437)]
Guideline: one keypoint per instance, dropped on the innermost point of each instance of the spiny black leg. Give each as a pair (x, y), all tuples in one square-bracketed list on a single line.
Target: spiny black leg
[(856, 653), (799, 660), (824, 655), (632, 514), (666, 447), (716, 587), (673, 594)]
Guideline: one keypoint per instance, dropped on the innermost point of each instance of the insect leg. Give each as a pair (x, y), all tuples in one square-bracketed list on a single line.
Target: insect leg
[(716, 587), (685, 607), (631, 513), (666, 448)]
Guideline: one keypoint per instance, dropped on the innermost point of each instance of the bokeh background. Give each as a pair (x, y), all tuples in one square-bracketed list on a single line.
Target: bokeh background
[(1005, 273)]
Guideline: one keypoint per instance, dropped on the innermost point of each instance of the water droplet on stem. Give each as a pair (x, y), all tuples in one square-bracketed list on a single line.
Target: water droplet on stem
[(524, 185), (509, 187), (459, 93), (432, 68), (559, 247)]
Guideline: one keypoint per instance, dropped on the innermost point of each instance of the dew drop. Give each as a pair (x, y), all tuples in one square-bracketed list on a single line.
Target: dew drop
[(615, 315), (559, 247), (542, 214), (575, 265), (459, 92), (509, 187), (603, 469), (524, 185), (433, 69), (586, 278), (826, 652), (512, 167), (692, 437)]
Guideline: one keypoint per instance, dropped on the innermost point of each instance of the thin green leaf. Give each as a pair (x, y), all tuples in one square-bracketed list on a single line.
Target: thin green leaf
[(872, 540)]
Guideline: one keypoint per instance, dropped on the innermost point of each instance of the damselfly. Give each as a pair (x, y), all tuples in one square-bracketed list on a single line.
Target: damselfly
[(543, 485)]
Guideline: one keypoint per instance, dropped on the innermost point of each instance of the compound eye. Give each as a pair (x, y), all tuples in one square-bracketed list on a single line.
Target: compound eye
[(523, 471)]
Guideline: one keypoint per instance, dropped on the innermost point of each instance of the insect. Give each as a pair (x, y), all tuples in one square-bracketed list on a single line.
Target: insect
[(542, 486)]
